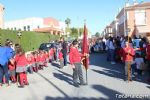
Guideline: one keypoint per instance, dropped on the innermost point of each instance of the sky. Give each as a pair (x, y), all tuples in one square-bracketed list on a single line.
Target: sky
[(97, 13)]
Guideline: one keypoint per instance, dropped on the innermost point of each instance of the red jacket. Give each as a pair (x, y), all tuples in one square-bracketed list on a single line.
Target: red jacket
[(30, 60), (11, 66), (21, 60), (128, 56), (60, 55), (148, 52), (74, 55), (51, 52), (42, 58)]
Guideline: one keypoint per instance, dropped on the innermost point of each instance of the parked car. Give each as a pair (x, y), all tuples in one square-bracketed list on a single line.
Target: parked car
[(46, 46)]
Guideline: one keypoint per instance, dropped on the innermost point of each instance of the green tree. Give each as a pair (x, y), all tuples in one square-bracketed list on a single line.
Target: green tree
[(74, 32), (97, 34), (68, 22)]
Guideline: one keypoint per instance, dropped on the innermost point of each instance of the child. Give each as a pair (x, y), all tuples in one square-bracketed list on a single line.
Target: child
[(51, 54), (37, 59), (139, 61), (75, 61), (61, 60), (46, 58), (30, 61), (12, 68), (21, 63), (42, 60)]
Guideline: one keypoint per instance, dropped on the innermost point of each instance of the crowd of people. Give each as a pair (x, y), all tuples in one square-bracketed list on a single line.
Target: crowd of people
[(131, 51), (15, 64)]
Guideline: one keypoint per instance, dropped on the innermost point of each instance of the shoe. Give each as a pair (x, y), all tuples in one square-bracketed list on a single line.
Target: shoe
[(1, 85), (76, 84), (113, 63), (27, 84), (83, 84)]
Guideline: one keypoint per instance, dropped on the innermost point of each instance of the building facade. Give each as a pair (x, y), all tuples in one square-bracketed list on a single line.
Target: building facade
[(47, 25), (132, 19)]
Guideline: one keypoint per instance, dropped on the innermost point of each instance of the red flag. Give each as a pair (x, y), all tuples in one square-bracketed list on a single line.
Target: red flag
[(85, 47)]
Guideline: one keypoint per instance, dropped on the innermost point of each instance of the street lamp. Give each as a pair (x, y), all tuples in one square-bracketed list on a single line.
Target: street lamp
[(19, 34)]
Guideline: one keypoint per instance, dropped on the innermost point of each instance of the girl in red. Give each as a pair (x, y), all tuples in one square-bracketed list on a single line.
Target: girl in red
[(21, 63), (30, 62), (12, 70), (37, 59), (51, 54), (61, 60), (128, 54), (148, 58), (42, 60), (46, 58)]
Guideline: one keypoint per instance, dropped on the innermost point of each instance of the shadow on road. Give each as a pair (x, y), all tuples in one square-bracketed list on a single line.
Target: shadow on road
[(110, 73), (55, 65), (148, 87), (63, 78), (111, 94), (61, 91), (65, 73)]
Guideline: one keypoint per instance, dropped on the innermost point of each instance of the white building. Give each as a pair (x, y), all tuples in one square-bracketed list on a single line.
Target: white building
[(49, 24)]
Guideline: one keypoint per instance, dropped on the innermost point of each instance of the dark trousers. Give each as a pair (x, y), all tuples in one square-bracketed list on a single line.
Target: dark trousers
[(77, 73), (148, 65), (4, 72), (65, 59)]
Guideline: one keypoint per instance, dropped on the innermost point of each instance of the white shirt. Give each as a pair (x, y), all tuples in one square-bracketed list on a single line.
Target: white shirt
[(111, 45), (138, 62)]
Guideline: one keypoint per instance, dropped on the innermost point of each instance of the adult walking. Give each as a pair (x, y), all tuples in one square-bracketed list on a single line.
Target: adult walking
[(6, 53), (64, 50)]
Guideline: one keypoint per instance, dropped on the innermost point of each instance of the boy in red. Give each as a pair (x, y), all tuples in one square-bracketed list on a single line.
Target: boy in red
[(12, 70), (61, 60), (128, 54), (148, 58), (75, 61), (21, 63)]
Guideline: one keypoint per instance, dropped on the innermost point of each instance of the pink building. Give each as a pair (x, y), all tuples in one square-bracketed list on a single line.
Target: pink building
[(134, 19)]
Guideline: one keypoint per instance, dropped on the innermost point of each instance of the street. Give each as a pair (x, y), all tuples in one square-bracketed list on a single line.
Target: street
[(105, 82)]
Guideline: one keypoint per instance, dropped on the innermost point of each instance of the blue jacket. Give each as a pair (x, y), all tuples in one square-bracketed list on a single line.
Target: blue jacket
[(6, 53)]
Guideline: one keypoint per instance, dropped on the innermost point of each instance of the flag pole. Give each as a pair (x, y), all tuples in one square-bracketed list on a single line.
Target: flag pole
[(86, 59)]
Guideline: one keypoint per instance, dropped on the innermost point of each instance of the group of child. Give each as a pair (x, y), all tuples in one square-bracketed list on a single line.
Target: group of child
[(29, 62)]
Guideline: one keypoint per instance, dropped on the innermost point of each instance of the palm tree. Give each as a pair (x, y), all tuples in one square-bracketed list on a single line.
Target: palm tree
[(68, 21)]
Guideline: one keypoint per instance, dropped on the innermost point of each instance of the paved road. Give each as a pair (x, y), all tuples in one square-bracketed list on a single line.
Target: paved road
[(104, 82)]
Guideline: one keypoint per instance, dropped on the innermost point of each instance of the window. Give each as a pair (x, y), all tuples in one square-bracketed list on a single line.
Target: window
[(140, 17), (28, 28), (24, 28), (38, 26)]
